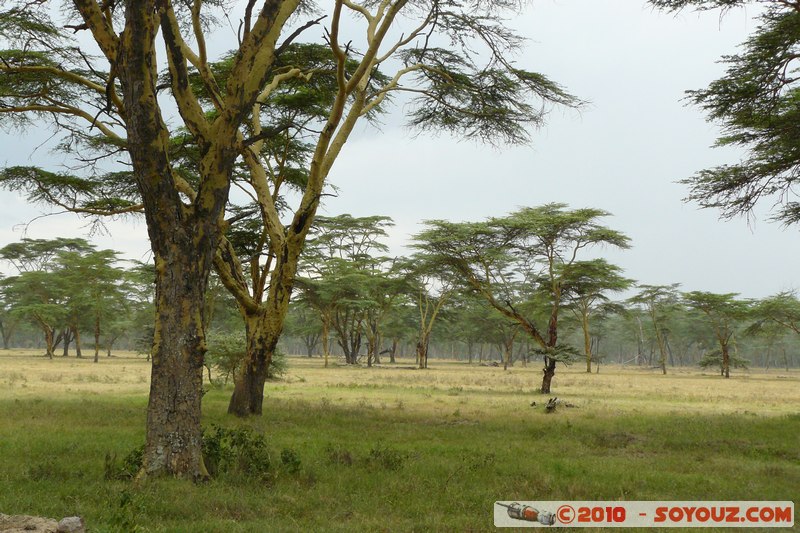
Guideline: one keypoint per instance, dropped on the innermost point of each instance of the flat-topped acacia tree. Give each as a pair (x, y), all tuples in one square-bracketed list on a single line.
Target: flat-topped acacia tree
[(114, 103), (723, 312), (657, 300), (588, 284), (518, 262)]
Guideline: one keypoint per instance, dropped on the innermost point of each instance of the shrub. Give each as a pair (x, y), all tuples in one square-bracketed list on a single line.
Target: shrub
[(290, 460), (125, 469), (226, 351), (338, 456), (386, 457), (237, 451)]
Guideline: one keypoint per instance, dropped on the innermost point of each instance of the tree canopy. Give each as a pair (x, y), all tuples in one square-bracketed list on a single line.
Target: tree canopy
[(723, 312), (757, 103), (514, 260)]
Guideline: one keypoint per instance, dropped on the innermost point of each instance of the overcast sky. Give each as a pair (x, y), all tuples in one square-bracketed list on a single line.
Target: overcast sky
[(623, 153)]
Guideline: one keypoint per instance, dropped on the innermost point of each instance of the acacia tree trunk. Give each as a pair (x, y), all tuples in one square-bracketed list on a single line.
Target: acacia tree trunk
[(7, 330), (348, 337), (66, 335), (264, 325), (351, 345), (370, 350), (662, 349), (377, 354), (508, 348), (48, 341), (549, 369), (310, 341), (587, 341), (640, 342), (371, 332), (184, 234), (422, 350), (506, 356), (97, 339), (248, 392), (596, 350), (548, 372), (326, 333), (348, 358), (174, 435), (726, 360), (76, 334)]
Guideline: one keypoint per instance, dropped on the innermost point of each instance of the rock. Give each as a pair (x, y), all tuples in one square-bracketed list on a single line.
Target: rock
[(26, 524), (72, 524)]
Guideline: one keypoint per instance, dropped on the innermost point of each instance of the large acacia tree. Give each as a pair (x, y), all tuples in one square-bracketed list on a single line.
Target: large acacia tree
[(112, 101), (518, 264), (111, 98), (657, 300), (724, 312), (588, 283)]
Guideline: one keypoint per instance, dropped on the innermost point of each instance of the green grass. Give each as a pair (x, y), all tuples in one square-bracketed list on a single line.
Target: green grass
[(382, 457)]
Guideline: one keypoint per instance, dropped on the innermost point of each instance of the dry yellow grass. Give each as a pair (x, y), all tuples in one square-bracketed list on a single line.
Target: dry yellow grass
[(446, 386), (26, 373), (475, 389)]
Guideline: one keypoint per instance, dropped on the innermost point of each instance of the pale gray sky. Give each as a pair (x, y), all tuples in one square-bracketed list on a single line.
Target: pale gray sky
[(624, 153)]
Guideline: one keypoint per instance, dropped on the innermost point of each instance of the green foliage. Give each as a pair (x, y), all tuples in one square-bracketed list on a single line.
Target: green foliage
[(290, 460), (225, 354), (460, 92), (50, 470), (562, 353), (722, 309), (227, 350), (782, 310), (127, 468), (346, 280), (587, 282), (521, 261), (142, 340), (128, 511), (29, 255), (65, 283), (237, 453), (756, 103), (386, 457), (714, 359)]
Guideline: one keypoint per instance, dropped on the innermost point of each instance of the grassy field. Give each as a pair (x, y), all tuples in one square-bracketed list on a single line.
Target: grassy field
[(399, 449)]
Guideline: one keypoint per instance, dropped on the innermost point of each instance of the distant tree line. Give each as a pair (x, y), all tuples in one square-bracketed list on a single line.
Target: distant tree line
[(486, 291), (510, 290), (65, 291)]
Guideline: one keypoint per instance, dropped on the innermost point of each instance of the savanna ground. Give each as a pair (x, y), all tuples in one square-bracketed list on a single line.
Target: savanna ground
[(399, 449)]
